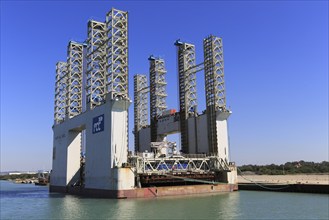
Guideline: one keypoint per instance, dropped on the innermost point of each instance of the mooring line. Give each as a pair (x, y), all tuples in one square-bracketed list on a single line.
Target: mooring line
[(260, 185)]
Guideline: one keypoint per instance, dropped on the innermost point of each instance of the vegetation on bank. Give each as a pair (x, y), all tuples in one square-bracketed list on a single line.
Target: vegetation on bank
[(18, 176), (296, 167)]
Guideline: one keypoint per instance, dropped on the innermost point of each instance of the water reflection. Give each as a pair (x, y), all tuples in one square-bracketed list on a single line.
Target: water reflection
[(219, 206), (181, 207), (30, 202)]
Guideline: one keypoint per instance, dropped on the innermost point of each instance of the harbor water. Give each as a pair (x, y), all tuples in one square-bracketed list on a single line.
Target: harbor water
[(27, 201)]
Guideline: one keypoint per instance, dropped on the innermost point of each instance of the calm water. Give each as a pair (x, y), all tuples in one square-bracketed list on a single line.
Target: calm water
[(26, 201)]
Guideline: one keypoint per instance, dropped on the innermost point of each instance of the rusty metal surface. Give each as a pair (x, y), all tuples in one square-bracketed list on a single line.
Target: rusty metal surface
[(177, 179), (147, 192)]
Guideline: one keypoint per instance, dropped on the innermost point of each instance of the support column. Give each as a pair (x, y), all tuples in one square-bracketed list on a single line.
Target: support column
[(75, 72), (96, 63), (140, 107), (157, 92), (60, 92), (117, 53), (187, 90), (215, 86)]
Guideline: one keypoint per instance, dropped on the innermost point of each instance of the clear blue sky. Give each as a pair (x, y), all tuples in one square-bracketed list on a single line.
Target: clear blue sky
[(276, 70)]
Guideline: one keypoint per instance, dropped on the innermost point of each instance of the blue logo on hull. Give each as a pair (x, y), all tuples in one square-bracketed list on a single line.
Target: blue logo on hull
[(98, 124)]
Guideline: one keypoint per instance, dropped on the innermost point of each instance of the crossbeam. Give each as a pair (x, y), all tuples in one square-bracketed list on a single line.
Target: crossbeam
[(182, 164)]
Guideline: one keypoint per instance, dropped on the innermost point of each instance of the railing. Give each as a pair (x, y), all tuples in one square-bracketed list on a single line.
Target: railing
[(199, 164)]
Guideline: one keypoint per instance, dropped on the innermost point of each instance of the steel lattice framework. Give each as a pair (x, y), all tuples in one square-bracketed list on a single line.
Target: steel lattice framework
[(60, 92), (117, 53), (140, 105), (75, 71), (187, 88), (187, 78), (157, 92), (158, 84), (214, 72), (96, 63), (215, 85), (202, 164)]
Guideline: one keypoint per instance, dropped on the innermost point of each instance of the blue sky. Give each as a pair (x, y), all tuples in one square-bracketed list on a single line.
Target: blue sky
[(276, 70)]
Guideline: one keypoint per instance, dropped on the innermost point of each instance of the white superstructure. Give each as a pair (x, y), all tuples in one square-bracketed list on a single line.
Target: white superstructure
[(90, 145)]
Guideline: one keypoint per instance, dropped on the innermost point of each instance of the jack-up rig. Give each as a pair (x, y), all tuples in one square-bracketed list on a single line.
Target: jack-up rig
[(90, 145)]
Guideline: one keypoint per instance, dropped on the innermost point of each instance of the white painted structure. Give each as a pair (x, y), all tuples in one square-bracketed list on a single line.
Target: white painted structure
[(106, 148), (90, 145), (91, 110), (198, 133), (205, 133)]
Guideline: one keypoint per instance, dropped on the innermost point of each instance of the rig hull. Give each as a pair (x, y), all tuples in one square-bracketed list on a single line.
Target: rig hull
[(147, 192)]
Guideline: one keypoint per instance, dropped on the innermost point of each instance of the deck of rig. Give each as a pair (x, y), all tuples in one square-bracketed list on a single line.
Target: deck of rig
[(90, 146)]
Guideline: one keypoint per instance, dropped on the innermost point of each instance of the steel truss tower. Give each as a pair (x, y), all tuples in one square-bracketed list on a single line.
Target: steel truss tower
[(75, 71), (157, 92), (96, 63), (215, 85), (140, 106), (187, 88), (117, 53), (60, 92)]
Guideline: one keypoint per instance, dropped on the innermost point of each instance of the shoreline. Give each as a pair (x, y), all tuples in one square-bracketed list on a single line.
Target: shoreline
[(314, 179), (321, 179), (301, 183)]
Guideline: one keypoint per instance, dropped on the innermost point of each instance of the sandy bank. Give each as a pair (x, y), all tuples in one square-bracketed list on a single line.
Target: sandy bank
[(291, 179)]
